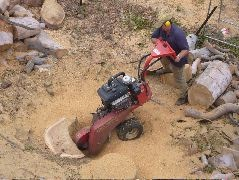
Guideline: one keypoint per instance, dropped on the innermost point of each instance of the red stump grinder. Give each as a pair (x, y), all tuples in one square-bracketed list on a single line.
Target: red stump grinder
[(121, 95)]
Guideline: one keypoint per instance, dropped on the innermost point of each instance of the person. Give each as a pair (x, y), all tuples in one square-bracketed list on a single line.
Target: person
[(177, 40)]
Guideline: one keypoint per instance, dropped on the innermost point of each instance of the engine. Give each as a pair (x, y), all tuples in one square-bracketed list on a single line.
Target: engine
[(119, 92)]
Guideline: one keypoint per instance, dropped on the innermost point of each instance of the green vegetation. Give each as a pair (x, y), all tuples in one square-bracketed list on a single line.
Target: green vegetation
[(137, 21)]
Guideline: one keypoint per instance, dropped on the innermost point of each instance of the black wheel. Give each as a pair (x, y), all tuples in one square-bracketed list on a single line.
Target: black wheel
[(129, 129)]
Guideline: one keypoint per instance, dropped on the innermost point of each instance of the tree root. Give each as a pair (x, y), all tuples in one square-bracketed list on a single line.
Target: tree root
[(215, 113)]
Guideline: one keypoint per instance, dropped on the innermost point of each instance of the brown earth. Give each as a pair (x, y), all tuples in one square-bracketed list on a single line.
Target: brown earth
[(99, 46)]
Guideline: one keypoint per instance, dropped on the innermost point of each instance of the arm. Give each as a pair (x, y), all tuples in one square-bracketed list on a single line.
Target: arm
[(182, 54), (155, 35), (183, 45)]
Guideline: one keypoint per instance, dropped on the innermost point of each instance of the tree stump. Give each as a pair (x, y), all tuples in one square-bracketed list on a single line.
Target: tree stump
[(52, 13), (6, 35), (22, 33), (210, 84), (169, 78)]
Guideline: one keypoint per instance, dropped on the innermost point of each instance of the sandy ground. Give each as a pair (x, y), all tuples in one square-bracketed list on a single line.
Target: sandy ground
[(29, 109)]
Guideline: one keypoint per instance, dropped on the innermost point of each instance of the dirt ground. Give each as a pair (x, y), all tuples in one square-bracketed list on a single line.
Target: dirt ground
[(98, 48)]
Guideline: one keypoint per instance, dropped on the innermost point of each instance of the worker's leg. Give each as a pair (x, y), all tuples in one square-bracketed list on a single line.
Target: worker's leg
[(181, 83), (166, 66)]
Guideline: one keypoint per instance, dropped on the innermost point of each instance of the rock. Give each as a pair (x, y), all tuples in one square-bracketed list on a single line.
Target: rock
[(19, 11), (22, 33), (59, 141), (4, 5), (52, 13), (20, 47), (6, 36), (218, 175), (234, 152), (5, 84), (44, 67), (110, 166), (50, 91), (13, 3), (29, 67), (33, 3), (45, 44), (223, 161)]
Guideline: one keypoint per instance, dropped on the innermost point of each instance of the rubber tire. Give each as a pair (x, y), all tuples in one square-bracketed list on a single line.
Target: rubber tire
[(126, 127)]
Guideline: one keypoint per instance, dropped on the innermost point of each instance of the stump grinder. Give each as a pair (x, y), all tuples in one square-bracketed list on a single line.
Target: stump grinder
[(120, 96)]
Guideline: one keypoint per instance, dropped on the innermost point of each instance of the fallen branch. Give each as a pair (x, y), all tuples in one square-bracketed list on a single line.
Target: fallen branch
[(221, 49), (214, 114), (212, 49)]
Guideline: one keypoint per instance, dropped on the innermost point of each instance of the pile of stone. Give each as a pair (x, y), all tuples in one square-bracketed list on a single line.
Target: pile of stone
[(20, 30)]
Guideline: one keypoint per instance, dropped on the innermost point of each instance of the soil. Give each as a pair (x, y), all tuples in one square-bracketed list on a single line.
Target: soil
[(100, 44)]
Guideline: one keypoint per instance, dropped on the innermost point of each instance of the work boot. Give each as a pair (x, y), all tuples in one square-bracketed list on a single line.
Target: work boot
[(181, 101)]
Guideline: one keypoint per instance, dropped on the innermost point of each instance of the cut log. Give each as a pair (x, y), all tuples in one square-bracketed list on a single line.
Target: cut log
[(210, 84), (22, 33), (6, 36), (33, 3), (45, 44), (52, 13), (195, 66), (202, 53), (169, 78), (19, 11), (229, 97), (214, 114), (4, 5)]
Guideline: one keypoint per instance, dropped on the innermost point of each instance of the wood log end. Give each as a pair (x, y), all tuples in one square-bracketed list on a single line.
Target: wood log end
[(200, 95)]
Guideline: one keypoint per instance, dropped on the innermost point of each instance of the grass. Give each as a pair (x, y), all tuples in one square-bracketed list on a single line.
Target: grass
[(137, 22)]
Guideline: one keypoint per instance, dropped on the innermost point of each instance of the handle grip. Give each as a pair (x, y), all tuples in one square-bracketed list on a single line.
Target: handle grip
[(115, 76)]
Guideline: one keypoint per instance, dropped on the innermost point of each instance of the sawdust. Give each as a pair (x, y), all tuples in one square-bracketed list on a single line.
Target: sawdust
[(110, 166), (93, 58)]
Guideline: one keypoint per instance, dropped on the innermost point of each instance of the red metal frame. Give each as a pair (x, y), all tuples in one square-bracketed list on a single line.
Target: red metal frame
[(161, 49)]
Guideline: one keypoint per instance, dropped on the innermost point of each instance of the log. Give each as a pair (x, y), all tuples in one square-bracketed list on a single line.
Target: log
[(19, 11), (4, 5), (210, 84), (195, 66), (45, 44), (204, 65), (169, 78), (33, 3), (6, 36), (52, 13), (214, 114), (229, 97), (22, 33), (212, 49), (202, 53)]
